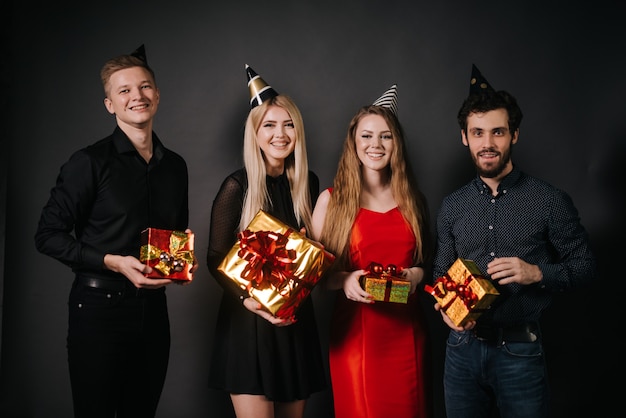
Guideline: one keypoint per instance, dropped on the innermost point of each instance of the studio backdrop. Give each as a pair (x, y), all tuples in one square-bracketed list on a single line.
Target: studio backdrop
[(565, 65)]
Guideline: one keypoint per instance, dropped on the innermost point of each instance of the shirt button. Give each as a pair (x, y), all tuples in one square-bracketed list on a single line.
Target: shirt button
[(490, 226), (492, 254), (493, 200)]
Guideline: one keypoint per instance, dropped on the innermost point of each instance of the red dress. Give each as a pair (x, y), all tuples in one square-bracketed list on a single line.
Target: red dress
[(378, 352)]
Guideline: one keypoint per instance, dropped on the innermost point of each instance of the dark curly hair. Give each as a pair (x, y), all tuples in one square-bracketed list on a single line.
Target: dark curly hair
[(490, 100)]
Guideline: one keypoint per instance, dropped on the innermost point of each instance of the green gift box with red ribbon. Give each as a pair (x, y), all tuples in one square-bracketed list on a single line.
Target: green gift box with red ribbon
[(275, 264), (463, 292), (384, 285)]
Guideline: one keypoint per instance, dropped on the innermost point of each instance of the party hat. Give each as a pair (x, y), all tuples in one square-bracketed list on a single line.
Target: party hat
[(260, 91), (478, 83), (140, 53), (389, 99)]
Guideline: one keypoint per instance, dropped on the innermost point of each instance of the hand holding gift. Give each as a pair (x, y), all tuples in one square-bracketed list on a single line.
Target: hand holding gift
[(275, 264), (384, 285), (170, 253), (463, 292)]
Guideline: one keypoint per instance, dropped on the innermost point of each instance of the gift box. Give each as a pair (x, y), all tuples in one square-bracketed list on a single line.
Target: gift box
[(168, 252), (463, 292), (384, 285), (275, 264)]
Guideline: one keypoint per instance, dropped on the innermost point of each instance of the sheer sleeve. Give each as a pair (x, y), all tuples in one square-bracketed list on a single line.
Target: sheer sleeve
[(225, 216)]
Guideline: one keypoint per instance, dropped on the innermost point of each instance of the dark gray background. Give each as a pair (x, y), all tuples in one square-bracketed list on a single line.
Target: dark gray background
[(565, 65)]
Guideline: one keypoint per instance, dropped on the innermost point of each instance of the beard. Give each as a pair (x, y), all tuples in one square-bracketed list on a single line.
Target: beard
[(492, 171)]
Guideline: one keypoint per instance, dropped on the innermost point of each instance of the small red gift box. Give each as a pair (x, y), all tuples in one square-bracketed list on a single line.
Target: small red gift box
[(384, 285), (276, 265), (168, 252), (463, 293)]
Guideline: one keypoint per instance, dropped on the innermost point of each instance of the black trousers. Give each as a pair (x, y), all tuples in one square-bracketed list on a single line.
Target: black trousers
[(118, 348)]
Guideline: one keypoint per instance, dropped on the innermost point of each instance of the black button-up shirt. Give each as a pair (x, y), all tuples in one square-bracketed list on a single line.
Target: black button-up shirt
[(104, 196), (529, 219)]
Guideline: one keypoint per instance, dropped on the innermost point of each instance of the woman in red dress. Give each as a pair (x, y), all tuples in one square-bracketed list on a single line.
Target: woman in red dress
[(374, 212)]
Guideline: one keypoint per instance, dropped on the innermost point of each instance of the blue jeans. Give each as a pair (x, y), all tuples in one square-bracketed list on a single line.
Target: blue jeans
[(480, 375)]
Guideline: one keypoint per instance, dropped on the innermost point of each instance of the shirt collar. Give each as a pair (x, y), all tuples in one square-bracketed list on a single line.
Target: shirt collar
[(124, 145), (507, 182)]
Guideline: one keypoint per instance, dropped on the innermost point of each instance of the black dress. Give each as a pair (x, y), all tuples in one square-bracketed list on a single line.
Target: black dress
[(250, 355)]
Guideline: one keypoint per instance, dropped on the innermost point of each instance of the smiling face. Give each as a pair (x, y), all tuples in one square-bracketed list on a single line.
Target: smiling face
[(276, 136), (132, 96), (489, 141), (374, 142)]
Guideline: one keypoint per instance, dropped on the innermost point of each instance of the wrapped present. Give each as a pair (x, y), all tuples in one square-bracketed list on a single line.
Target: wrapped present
[(384, 285), (275, 264), (463, 292), (168, 252)]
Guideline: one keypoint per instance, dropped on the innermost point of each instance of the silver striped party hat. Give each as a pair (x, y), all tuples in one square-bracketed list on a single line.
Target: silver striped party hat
[(389, 99)]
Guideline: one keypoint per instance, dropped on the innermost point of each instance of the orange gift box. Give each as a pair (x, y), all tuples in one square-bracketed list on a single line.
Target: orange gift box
[(168, 252), (384, 285), (275, 264), (463, 293)]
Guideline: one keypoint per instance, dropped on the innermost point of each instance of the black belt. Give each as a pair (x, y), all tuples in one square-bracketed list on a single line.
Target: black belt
[(123, 287), (104, 284), (522, 333)]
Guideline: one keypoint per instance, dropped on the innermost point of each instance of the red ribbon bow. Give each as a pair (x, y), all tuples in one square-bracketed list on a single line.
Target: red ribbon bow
[(270, 263), (378, 269), (462, 290)]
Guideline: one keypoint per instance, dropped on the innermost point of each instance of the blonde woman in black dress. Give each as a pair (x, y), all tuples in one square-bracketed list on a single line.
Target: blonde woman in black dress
[(269, 366)]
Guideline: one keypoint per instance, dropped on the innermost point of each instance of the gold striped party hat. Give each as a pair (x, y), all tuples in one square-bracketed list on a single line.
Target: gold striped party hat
[(260, 91)]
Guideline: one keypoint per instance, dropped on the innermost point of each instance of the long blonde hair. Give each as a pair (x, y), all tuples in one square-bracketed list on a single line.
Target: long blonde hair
[(296, 166), (347, 185)]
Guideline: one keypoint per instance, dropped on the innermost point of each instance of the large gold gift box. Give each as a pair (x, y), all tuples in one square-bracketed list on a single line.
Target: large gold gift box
[(168, 252), (277, 265), (463, 293), (384, 285)]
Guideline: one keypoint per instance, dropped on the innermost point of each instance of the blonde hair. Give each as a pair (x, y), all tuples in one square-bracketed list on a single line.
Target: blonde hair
[(296, 166), (347, 185)]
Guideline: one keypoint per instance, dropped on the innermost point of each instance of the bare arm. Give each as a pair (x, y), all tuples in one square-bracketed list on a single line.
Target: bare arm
[(319, 214)]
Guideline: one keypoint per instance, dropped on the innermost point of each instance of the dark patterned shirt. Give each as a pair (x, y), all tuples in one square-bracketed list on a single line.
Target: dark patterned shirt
[(529, 219)]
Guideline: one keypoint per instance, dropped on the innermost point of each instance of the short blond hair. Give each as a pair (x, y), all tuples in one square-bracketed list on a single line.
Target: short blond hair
[(121, 63)]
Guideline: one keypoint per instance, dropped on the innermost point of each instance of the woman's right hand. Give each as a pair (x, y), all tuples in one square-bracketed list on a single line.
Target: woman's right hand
[(255, 307), (352, 288)]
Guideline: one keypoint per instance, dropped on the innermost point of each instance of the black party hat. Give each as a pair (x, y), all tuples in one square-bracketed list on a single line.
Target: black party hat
[(260, 91), (140, 53), (389, 99), (478, 83)]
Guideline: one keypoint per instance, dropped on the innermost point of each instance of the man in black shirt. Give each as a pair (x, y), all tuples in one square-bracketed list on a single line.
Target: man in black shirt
[(105, 195), (526, 236)]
